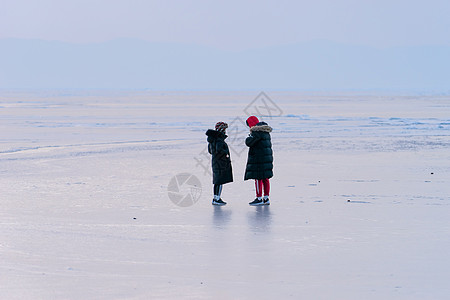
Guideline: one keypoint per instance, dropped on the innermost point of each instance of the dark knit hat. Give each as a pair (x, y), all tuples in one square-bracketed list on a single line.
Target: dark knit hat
[(252, 121), (221, 126)]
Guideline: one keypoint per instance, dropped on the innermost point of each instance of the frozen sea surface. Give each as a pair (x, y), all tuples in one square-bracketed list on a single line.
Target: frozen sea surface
[(360, 197)]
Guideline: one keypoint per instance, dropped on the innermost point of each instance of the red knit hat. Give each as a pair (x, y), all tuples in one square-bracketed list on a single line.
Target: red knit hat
[(252, 121)]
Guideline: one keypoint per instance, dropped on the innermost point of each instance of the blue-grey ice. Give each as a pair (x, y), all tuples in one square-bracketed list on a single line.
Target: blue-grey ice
[(360, 198)]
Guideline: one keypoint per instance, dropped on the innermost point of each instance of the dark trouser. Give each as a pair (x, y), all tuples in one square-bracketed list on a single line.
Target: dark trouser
[(217, 190)]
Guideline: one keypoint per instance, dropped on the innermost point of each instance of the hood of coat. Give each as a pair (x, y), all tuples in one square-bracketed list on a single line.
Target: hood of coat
[(215, 134), (261, 126)]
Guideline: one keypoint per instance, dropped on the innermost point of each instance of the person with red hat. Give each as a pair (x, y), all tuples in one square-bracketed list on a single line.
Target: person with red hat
[(260, 159), (221, 161)]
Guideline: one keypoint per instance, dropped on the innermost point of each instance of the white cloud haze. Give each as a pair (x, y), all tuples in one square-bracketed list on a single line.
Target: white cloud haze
[(230, 25), (324, 44)]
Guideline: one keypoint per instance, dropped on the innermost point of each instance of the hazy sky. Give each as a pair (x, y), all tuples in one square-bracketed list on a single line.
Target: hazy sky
[(231, 24)]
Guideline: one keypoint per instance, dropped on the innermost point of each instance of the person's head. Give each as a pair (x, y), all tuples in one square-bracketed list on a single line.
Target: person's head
[(252, 121), (221, 126)]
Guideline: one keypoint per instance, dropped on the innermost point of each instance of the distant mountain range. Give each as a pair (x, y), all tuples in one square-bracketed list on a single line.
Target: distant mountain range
[(135, 64)]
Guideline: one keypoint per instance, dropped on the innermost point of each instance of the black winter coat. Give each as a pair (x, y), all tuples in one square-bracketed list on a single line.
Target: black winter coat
[(221, 162), (260, 155)]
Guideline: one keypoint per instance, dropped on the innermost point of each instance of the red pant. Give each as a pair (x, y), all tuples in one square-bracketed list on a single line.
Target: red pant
[(260, 184)]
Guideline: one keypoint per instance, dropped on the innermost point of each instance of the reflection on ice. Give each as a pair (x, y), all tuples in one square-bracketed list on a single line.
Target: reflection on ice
[(260, 219), (221, 216)]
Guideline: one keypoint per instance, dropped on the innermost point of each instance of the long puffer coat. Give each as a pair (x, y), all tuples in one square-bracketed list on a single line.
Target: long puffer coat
[(221, 162), (260, 155)]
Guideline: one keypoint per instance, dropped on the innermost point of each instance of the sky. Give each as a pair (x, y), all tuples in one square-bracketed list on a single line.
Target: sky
[(232, 25)]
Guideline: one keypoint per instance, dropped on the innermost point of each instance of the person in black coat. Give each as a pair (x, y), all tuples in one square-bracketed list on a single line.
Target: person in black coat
[(260, 159), (221, 161)]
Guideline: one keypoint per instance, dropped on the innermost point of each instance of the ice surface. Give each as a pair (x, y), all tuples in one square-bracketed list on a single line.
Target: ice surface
[(360, 198)]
